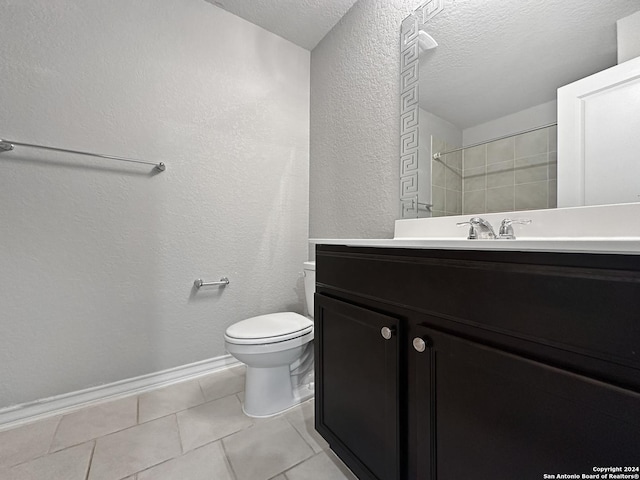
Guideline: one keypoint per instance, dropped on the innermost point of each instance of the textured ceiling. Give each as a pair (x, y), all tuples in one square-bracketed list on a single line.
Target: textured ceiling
[(303, 22), (499, 57)]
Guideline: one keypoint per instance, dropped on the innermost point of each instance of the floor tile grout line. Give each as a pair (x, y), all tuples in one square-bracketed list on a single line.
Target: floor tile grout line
[(220, 438), (114, 433), (55, 432), (91, 439), (175, 419), (333, 454), (205, 401), (314, 454), (93, 450), (299, 434), (182, 410), (135, 474), (179, 434), (181, 383), (253, 424), (202, 391), (48, 454), (301, 405), (284, 473), (227, 460), (168, 460), (283, 416), (153, 466)]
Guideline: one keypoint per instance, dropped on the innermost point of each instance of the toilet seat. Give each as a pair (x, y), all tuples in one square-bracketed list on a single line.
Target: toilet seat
[(269, 329)]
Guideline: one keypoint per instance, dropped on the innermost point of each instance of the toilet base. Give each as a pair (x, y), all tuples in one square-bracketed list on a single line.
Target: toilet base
[(269, 391)]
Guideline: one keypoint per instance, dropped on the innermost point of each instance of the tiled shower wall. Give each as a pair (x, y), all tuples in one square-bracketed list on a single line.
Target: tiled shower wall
[(447, 180), (516, 173)]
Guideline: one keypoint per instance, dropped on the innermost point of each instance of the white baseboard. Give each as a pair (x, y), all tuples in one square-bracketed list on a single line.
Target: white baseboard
[(17, 415)]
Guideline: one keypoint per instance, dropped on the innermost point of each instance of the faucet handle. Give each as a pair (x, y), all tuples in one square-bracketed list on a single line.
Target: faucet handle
[(473, 233), (506, 229)]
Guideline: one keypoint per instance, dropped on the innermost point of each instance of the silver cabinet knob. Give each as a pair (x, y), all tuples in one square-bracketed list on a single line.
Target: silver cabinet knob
[(419, 344), (387, 332)]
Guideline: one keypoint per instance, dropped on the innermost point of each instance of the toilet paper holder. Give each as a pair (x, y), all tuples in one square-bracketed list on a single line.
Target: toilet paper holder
[(224, 281)]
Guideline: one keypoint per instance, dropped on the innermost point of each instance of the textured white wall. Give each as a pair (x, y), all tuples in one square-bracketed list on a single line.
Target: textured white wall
[(98, 258), (355, 117), (304, 22), (430, 125), (628, 37)]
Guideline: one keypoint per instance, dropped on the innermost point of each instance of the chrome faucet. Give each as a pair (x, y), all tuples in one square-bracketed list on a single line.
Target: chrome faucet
[(506, 230), (479, 228)]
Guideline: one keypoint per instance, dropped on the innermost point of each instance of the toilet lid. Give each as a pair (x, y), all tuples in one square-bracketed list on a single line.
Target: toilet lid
[(273, 325)]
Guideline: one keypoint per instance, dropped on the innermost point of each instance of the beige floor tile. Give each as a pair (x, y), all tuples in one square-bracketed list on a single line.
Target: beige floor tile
[(279, 477), (93, 422), (211, 421), (223, 383), (302, 418), (204, 463), (265, 450), (69, 464), (168, 400), (135, 449), (324, 466), (25, 443)]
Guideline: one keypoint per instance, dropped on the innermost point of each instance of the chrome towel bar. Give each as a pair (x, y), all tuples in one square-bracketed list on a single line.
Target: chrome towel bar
[(7, 145), (224, 281)]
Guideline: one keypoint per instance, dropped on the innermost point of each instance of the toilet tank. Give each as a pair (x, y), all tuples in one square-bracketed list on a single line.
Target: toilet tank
[(309, 284)]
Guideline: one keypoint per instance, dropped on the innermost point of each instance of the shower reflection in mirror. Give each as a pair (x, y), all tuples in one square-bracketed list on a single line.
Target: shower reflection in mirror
[(517, 172)]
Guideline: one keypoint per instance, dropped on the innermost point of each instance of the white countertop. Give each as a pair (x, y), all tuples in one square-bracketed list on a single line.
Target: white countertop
[(592, 229), (626, 245)]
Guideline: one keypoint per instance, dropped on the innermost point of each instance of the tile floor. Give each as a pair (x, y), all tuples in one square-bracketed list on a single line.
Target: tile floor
[(194, 430)]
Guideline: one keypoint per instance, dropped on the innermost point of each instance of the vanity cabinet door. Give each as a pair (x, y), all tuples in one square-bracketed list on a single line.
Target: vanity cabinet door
[(479, 412), (357, 387)]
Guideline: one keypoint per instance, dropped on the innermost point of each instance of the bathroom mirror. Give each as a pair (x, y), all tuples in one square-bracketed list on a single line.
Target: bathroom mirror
[(478, 73)]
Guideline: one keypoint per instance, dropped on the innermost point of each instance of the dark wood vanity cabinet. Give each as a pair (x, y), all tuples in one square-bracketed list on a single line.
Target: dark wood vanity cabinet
[(497, 365), (360, 373)]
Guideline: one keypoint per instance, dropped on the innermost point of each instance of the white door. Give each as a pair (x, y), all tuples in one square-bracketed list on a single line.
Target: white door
[(599, 138)]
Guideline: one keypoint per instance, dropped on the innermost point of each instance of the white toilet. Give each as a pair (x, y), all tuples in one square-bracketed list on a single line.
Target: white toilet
[(278, 351)]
